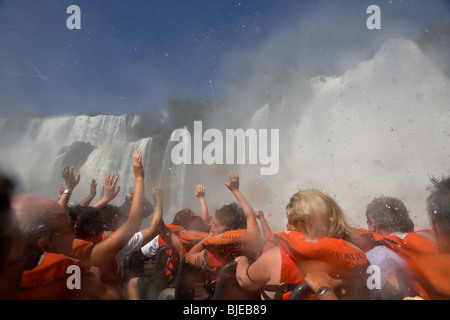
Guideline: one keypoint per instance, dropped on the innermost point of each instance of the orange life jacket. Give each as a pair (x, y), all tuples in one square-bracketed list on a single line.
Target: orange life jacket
[(48, 280), (410, 245), (407, 245), (341, 259), (107, 234), (174, 228), (431, 279), (188, 238), (82, 250), (224, 248)]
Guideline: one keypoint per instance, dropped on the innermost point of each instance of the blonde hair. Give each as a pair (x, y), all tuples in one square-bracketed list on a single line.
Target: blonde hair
[(317, 215)]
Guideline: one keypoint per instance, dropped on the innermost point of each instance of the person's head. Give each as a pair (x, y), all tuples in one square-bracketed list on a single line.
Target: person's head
[(229, 217), (438, 207), (12, 244), (183, 217), (316, 214), (113, 216), (88, 222), (198, 224), (386, 215), (45, 223)]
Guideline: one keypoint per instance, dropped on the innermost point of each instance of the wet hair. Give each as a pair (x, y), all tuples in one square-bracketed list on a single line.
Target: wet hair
[(231, 217), (113, 216), (197, 223), (182, 218), (389, 215), (438, 204), (86, 219), (317, 215)]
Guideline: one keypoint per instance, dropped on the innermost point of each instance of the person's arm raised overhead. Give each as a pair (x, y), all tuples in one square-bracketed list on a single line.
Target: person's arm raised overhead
[(233, 185), (264, 224), (110, 191), (155, 226), (92, 194), (105, 251), (70, 184), (200, 194)]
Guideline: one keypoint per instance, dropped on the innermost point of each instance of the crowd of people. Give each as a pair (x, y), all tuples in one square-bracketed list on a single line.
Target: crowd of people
[(52, 249)]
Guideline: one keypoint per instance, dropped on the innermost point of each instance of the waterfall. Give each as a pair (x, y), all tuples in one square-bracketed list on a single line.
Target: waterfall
[(172, 180), (35, 149), (380, 129)]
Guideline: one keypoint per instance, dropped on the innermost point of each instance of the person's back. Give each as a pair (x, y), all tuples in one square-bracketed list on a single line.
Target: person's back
[(392, 241), (433, 270), (47, 225), (320, 241), (234, 231)]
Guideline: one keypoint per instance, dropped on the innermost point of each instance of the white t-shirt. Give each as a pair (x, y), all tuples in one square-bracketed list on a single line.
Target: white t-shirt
[(150, 249), (387, 260), (132, 245)]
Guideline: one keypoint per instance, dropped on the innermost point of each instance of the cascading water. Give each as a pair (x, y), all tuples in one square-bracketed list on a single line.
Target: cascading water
[(172, 180), (35, 150), (379, 129)]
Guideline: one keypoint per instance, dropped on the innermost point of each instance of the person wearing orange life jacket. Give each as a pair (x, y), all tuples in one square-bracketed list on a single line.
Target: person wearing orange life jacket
[(392, 241), (234, 232), (187, 228), (432, 271), (322, 240), (89, 232), (183, 220), (183, 241), (48, 232), (104, 253)]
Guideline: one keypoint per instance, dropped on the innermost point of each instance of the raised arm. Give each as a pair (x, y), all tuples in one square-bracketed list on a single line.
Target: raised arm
[(70, 184), (92, 194), (155, 226), (233, 186), (110, 191), (200, 194), (264, 224), (104, 252)]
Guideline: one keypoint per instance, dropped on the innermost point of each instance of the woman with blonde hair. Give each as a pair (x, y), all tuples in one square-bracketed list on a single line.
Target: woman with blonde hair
[(320, 240)]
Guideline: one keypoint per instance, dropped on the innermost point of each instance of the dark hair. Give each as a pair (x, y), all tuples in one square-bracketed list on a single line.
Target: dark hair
[(86, 219), (113, 216), (198, 224), (438, 203), (390, 215), (182, 218), (231, 217)]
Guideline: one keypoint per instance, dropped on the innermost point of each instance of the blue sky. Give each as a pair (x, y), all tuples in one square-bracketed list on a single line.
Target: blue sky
[(130, 56)]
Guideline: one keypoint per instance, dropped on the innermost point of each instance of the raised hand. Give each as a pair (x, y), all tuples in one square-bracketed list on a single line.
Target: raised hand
[(92, 193), (259, 214), (200, 194), (138, 169), (157, 193), (200, 191), (69, 178), (233, 183), (93, 188), (110, 187)]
